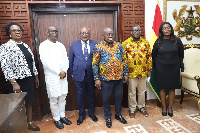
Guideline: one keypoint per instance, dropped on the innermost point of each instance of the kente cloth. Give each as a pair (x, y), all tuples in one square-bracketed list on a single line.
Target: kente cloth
[(109, 62)]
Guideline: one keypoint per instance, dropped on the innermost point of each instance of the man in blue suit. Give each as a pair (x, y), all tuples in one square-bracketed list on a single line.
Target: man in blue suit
[(80, 65)]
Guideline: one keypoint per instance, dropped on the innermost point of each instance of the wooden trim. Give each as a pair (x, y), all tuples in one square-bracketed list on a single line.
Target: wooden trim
[(29, 26), (71, 8), (72, 2), (164, 10)]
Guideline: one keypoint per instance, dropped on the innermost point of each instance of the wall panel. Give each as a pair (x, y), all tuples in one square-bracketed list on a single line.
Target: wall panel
[(15, 11), (133, 14)]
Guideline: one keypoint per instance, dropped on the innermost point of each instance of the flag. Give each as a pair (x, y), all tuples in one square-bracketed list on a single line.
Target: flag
[(154, 35)]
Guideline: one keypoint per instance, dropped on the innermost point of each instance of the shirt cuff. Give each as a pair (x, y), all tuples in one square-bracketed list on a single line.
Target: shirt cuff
[(96, 77)]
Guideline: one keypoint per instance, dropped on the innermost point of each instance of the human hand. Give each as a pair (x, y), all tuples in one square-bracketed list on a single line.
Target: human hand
[(182, 69), (16, 88), (98, 83), (125, 78), (62, 74), (149, 74)]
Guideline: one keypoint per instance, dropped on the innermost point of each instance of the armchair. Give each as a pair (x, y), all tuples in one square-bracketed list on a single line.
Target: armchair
[(190, 78)]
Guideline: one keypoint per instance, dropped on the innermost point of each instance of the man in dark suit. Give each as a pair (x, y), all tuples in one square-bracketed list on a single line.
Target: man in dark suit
[(80, 65)]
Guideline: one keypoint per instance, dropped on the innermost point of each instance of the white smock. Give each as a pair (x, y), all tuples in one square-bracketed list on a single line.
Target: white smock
[(54, 59)]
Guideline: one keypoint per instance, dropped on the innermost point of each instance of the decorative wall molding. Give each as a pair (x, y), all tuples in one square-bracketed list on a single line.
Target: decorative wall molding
[(15, 11), (133, 13)]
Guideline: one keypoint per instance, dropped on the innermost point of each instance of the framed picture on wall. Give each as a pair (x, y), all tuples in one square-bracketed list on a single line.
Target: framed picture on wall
[(184, 15)]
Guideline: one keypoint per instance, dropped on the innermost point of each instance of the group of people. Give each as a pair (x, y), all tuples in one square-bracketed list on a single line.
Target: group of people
[(105, 65)]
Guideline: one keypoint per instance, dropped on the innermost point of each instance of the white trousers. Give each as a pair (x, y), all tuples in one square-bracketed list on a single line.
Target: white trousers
[(57, 105)]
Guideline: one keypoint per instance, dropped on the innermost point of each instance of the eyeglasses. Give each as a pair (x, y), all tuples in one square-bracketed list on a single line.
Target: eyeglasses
[(16, 30), (86, 33), (136, 30), (110, 34), (165, 28), (53, 31)]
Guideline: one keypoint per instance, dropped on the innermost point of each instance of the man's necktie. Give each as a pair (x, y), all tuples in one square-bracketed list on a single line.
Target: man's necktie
[(86, 51)]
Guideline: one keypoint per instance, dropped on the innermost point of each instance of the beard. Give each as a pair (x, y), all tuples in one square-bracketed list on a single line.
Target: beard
[(53, 38)]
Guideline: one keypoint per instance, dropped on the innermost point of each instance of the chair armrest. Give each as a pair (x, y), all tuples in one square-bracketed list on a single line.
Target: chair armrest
[(198, 80), (197, 77), (188, 75)]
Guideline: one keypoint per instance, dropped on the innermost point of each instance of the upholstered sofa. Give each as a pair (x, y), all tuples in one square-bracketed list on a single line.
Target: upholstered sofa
[(190, 78)]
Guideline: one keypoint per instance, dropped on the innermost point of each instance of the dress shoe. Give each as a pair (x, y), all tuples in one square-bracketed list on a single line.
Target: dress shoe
[(170, 114), (59, 124), (33, 127), (65, 121), (164, 113), (143, 111), (132, 115), (108, 123), (121, 119), (80, 120), (93, 117)]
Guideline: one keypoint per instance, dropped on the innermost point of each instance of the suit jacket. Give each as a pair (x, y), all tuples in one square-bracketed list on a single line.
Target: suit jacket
[(77, 63)]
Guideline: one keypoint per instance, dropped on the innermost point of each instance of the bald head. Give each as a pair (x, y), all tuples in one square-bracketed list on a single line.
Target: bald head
[(107, 29), (136, 26), (108, 35), (136, 32), (84, 28), (85, 34), (52, 33), (52, 28)]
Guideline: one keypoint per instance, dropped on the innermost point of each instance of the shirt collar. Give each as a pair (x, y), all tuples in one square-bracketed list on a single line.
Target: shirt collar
[(82, 42), (51, 41), (132, 40), (11, 40), (105, 43)]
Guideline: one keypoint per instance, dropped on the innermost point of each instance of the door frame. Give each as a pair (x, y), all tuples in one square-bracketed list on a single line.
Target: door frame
[(36, 9)]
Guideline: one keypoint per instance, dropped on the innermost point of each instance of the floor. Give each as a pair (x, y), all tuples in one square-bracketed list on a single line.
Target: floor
[(185, 120)]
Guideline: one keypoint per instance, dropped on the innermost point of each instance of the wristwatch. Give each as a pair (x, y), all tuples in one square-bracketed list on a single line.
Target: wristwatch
[(13, 82)]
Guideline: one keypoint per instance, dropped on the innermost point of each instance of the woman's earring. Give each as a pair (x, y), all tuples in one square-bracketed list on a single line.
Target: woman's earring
[(10, 36)]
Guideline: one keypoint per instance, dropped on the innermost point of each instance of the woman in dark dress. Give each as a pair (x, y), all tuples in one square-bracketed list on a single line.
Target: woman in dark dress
[(18, 66), (167, 54)]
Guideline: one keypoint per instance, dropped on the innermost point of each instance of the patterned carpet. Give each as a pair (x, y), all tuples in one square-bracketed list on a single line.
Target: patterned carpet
[(185, 120)]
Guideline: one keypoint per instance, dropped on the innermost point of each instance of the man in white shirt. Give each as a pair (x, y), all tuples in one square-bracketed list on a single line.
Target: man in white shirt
[(55, 62)]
